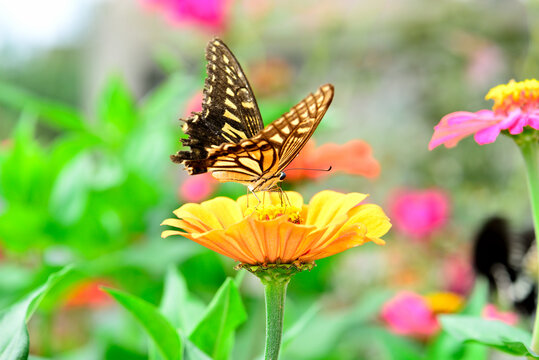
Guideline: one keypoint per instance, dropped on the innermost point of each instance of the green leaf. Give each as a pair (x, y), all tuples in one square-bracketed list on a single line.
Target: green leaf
[(295, 330), (116, 106), (179, 307), (191, 352), (14, 340), (492, 333), (478, 298), (55, 114), (70, 191), (214, 334), (161, 331)]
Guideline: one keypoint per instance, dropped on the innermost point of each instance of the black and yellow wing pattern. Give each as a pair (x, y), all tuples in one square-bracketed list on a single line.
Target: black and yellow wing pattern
[(228, 139)]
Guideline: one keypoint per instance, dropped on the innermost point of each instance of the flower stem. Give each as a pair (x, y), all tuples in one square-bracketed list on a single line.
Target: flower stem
[(275, 292), (530, 152)]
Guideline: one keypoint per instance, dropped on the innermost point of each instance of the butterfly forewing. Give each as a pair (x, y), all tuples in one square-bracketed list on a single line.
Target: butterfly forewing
[(229, 104), (229, 109)]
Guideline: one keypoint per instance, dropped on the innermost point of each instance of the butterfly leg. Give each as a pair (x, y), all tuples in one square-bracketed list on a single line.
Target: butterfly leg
[(256, 197)]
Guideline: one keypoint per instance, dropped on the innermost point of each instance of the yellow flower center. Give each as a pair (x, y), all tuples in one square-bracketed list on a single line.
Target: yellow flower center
[(522, 94), (270, 212), (444, 302)]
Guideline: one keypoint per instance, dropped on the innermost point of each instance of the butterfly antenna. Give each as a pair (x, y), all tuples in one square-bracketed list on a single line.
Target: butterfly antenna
[(328, 169)]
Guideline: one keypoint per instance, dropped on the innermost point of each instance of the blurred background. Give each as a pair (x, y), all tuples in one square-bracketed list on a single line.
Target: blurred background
[(90, 96)]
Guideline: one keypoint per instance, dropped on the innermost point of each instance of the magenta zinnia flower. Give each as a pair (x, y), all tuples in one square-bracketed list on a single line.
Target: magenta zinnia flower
[(419, 213), (208, 14), (490, 311), (516, 105), (409, 314)]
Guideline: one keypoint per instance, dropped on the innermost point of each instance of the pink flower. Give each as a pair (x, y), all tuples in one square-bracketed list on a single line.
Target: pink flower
[(194, 104), (418, 213), (197, 188), (409, 314), (458, 274), (516, 105), (208, 14), (491, 312)]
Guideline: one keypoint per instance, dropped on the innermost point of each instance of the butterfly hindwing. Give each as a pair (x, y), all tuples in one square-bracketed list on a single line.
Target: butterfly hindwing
[(229, 109)]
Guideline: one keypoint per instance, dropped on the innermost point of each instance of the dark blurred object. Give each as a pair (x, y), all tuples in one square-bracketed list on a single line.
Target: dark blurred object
[(504, 258)]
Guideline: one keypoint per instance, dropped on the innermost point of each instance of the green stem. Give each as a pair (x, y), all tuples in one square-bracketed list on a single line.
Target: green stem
[(275, 292), (531, 159)]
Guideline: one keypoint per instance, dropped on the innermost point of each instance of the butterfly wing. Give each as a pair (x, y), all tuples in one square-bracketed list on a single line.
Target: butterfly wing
[(258, 161), (229, 109)]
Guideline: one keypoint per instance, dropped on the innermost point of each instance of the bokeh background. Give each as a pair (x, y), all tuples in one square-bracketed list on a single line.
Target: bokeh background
[(90, 96)]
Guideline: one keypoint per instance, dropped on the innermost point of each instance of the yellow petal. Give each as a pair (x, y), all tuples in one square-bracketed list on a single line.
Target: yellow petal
[(329, 206), (190, 225), (374, 218), (226, 210), (199, 212), (167, 233)]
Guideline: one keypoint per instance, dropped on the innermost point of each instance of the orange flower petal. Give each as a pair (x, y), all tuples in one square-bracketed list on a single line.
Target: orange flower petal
[(327, 206), (270, 241), (333, 223), (219, 241)]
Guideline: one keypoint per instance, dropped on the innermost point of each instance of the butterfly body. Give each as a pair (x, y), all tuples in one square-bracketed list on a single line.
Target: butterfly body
[(228, 137)]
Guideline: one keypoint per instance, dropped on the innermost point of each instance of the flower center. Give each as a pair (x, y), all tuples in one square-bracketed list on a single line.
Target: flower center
[(522, 94), (270, 212)]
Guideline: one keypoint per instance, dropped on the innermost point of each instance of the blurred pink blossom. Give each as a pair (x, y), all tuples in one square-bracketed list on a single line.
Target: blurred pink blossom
[(484, 63), (207, 14), (418, 213), (458, 274), (409, 314), (491, 312), (197, 188), (194, 104)]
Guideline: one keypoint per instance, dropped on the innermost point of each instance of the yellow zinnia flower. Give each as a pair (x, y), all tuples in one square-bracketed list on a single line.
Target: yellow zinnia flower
[(281, 229)]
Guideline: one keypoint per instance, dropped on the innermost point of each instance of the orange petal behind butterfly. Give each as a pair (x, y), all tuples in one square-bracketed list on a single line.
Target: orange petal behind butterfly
[(354, 158)]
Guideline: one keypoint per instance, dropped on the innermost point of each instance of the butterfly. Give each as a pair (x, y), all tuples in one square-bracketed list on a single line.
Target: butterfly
[(228, 138), (508, 260)]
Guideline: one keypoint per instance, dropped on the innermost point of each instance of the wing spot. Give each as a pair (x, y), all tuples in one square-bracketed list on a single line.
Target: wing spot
[(233, 132), (230, 104), (226, 60), (231, 116), (278, 138), (248, 105), (229, 92)]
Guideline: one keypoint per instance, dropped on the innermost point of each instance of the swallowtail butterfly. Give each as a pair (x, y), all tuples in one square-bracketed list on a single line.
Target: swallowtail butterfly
[(228, 137)]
